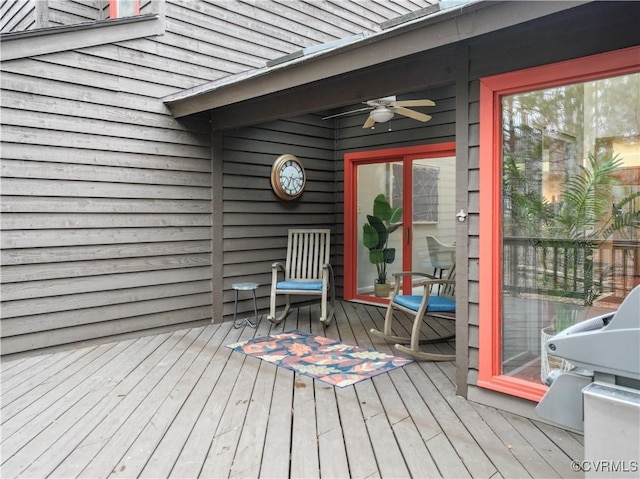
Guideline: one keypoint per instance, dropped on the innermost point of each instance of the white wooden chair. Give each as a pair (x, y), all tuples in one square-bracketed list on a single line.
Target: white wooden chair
[(441, 255), (437, 300), (307, 271)]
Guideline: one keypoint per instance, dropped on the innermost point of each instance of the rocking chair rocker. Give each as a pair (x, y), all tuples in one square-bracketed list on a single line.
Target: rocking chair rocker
[(438, 300), (307, 271)]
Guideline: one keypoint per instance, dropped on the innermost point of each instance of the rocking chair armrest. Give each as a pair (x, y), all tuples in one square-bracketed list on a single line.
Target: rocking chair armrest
[(277, 266), (403, 274), (327, 272)]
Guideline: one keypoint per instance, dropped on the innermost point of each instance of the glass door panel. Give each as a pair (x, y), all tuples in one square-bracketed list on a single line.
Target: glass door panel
[(570, 235), (433, 215), (373, 180)]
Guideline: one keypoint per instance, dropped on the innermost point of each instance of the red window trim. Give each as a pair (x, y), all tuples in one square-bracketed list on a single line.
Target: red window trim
[(351, 161), (113, 8), (492, 89)]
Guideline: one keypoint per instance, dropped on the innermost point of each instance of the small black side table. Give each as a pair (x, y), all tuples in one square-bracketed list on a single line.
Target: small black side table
[(245, 287)]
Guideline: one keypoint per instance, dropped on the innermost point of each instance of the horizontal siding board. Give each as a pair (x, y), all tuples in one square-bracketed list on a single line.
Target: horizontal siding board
[(107, 329), (253, 255), (103, 113), (267, 23), (99, 236), (42, 221), (15, 80), (252, 220), (266, 207), (48, 204), (78, 317), (94, 301), (94, 189), (25, 256), (65, 12), (178, 52), (248, 244), (62, 171), (233, 54), (82, 76), (56, 287), (128, 54), (90, 142), (242, 45), (275, 144), (62, 154), (106, 128), (77, 269), (95, 59)]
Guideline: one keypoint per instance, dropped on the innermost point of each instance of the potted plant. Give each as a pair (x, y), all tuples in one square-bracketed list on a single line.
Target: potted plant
[(384, 221), (583, 218)]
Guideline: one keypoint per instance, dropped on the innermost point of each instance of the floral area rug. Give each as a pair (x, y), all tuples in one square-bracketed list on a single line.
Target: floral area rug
[(321, 358)]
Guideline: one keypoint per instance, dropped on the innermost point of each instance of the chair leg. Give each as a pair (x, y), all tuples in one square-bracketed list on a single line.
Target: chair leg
[(272, 312), (424, 356), (414, 349), (386, 332), (327, 315)]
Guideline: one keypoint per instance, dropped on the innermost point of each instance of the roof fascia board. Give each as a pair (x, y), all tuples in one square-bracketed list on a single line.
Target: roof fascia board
[(448, 27), (43, 41)]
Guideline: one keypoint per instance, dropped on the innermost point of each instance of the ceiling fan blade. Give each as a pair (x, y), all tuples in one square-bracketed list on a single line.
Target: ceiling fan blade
[(369, 123), (348, 112), (411, 114), (414, 103)]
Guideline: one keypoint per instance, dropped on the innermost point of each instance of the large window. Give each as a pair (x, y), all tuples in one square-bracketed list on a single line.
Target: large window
[(562, 143)]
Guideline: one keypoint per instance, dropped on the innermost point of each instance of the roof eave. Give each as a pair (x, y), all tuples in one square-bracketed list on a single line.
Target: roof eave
[(444, 28)]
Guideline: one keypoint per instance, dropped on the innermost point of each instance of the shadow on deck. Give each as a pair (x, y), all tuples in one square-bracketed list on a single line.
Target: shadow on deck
[(182, 405)]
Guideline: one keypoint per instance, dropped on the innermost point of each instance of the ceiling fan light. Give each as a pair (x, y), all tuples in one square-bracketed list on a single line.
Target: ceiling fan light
[(380, 115)]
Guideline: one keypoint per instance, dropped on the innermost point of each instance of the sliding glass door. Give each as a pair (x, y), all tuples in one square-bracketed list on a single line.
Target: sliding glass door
[(410, 192)]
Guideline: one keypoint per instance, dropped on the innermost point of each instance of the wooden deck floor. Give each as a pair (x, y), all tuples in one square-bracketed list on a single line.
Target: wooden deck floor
[(183, 405)]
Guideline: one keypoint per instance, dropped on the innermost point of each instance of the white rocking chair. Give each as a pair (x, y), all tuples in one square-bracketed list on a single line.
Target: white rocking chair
[(307, 271), (437, 300)]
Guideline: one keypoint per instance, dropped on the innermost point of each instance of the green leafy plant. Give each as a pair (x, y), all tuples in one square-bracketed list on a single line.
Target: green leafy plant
[(583, 218), (384, 221)]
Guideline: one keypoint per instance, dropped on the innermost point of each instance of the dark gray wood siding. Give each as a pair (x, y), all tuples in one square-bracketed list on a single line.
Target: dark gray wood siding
[(255, 221), (110, 204)]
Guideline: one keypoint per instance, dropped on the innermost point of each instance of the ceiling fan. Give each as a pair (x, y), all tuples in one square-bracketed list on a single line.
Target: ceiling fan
[(383, 109)]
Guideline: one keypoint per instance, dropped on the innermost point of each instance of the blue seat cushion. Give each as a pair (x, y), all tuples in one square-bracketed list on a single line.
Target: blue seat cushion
[(437, 304), (300, 285)]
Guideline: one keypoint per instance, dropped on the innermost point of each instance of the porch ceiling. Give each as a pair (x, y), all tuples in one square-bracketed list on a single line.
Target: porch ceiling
[(372, 66)]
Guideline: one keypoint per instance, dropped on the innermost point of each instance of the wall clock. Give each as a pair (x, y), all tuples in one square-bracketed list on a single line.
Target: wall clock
[(288, 178)]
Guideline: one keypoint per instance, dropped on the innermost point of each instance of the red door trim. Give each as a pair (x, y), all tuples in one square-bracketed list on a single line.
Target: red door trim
[(491, 91)]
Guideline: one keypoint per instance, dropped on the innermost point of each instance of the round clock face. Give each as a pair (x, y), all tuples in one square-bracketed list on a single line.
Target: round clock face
[(288, 177)]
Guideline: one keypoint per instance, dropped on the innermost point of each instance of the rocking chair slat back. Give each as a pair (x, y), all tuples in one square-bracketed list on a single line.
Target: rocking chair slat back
[(307, 251)]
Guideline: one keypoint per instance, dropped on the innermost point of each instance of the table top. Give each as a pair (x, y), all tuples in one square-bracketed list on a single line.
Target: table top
[(245, 286)]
